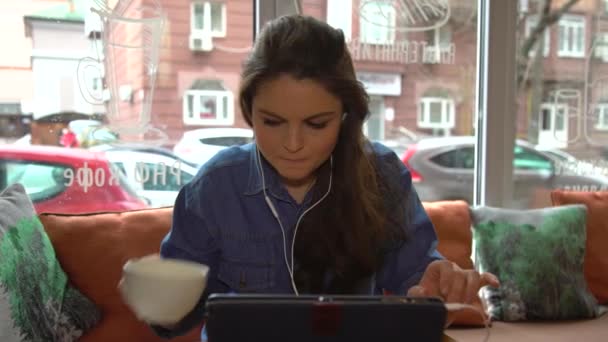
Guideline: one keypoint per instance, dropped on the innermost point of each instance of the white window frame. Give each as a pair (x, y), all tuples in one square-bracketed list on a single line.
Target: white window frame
[(366, 27), (531, 22), (339, 15), (447, 112), (437, 48), (196, 32), (570, 26), (600, 49), (220, 95), (601, 109)]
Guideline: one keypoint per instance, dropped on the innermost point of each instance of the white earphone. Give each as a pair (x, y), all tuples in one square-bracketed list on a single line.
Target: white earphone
[(275, 213)]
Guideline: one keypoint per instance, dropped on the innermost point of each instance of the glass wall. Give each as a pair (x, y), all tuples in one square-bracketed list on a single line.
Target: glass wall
[(561, 132), (130, 97)]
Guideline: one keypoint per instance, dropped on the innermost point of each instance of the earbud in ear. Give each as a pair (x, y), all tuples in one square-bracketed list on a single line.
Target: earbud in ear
[(344, 116)]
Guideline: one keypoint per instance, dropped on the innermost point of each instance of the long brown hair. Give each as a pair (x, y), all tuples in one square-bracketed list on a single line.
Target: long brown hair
[(343, 233)]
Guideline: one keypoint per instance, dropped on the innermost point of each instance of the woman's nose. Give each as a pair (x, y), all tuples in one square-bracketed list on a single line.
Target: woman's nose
[(293, 142)]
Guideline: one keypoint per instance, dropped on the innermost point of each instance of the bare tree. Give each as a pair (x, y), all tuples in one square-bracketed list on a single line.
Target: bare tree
[(530, 58)]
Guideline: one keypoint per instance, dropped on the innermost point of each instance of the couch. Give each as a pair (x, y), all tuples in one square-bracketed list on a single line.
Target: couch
[(92, 249)]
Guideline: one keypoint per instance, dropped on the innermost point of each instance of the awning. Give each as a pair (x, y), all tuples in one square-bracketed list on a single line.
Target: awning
[(206, 84)]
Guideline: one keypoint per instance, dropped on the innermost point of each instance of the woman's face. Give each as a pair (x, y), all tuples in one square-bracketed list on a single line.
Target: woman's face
[(296, 125)]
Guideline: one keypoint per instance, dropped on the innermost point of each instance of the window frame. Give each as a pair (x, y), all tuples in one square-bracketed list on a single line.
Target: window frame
[(602, 117), (219, 94), (198, 33), (448, 112), (566, 25)]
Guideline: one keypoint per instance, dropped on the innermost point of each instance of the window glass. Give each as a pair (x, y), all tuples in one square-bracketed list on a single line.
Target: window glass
[(461, 158), (111, 72), (41, 181), (561, 98)]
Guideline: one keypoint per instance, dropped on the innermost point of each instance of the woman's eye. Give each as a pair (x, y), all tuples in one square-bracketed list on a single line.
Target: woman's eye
[(271, 123), (317, 125)]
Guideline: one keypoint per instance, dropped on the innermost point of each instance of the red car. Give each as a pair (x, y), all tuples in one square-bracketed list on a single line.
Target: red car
[(67, 180)]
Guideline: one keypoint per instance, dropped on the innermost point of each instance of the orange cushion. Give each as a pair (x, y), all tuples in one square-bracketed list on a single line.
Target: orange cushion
[(596, 257), (92, 250), (452, 223)]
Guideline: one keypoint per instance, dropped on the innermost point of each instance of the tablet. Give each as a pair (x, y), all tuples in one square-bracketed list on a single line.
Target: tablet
[(274, 318)]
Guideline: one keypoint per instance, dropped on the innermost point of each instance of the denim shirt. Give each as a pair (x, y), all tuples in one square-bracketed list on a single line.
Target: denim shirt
[(221, 219)]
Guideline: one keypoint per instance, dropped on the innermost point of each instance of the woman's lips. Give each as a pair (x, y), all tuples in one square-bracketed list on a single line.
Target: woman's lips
[(289, 160)]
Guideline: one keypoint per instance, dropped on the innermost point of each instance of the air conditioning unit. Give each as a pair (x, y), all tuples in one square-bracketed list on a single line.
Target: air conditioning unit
[(201, 42)]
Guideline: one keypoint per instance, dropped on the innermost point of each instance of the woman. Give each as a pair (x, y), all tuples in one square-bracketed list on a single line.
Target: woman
[(312, 206)]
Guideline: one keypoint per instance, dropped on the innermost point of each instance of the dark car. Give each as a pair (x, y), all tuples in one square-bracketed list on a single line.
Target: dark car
[(442, 169)]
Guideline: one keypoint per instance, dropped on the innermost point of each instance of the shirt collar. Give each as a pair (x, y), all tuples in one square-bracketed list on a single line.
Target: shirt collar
[(271, 177)]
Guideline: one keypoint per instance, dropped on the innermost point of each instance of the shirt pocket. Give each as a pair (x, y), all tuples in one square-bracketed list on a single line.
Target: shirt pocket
[(247, 263)]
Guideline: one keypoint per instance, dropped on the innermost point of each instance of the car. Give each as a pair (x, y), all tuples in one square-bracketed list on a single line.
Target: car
[(156, 177), (442, 169), (67, 180), (140, 147), (199, 145)]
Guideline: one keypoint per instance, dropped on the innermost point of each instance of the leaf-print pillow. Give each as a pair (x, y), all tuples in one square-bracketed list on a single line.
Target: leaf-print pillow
[(538, 257), (37, 303)]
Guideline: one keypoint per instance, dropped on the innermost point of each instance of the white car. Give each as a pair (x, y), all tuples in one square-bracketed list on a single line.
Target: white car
[(199, 145), (155, 177)]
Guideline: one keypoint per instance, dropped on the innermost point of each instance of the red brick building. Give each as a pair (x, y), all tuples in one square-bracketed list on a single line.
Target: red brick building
[(421, 75)]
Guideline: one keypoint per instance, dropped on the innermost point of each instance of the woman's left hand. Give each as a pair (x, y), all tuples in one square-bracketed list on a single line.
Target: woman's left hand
[(445, 280)]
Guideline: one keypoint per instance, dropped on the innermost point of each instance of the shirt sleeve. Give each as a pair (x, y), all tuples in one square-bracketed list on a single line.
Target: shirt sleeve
[(404, 265), (191, 238)]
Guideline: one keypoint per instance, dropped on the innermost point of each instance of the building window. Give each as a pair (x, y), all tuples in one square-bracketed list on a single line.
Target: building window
[(207, 102), (571, 36), (440, 44), (531, 24), (208, 16), (601, 115), (600, 48), (339, 15), (377, 22), (436, 112)]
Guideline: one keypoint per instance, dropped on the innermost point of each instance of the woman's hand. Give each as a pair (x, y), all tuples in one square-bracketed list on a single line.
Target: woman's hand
[(445, 280)]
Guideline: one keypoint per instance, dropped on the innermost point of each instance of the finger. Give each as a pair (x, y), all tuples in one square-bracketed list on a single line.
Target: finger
[(472, 287), (488, 279), (448, 277), (457, 288), (416, 291)]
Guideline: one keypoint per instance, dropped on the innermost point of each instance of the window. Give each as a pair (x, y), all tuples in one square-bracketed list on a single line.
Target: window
[(377, 23), (207, 102), (41, 181), (531, 24), (571, 36), (208, 16), (525, 159), (601, 116), (440, 42), (172, 181), (461, 158), (600, 48), (338, 16), (436, 112)]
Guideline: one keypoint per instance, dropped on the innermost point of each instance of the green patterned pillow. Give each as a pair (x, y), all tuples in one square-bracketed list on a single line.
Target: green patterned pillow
[(538, 257), (37, 302)]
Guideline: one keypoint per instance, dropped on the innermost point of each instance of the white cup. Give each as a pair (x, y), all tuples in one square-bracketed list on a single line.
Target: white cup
[(162, 291)]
